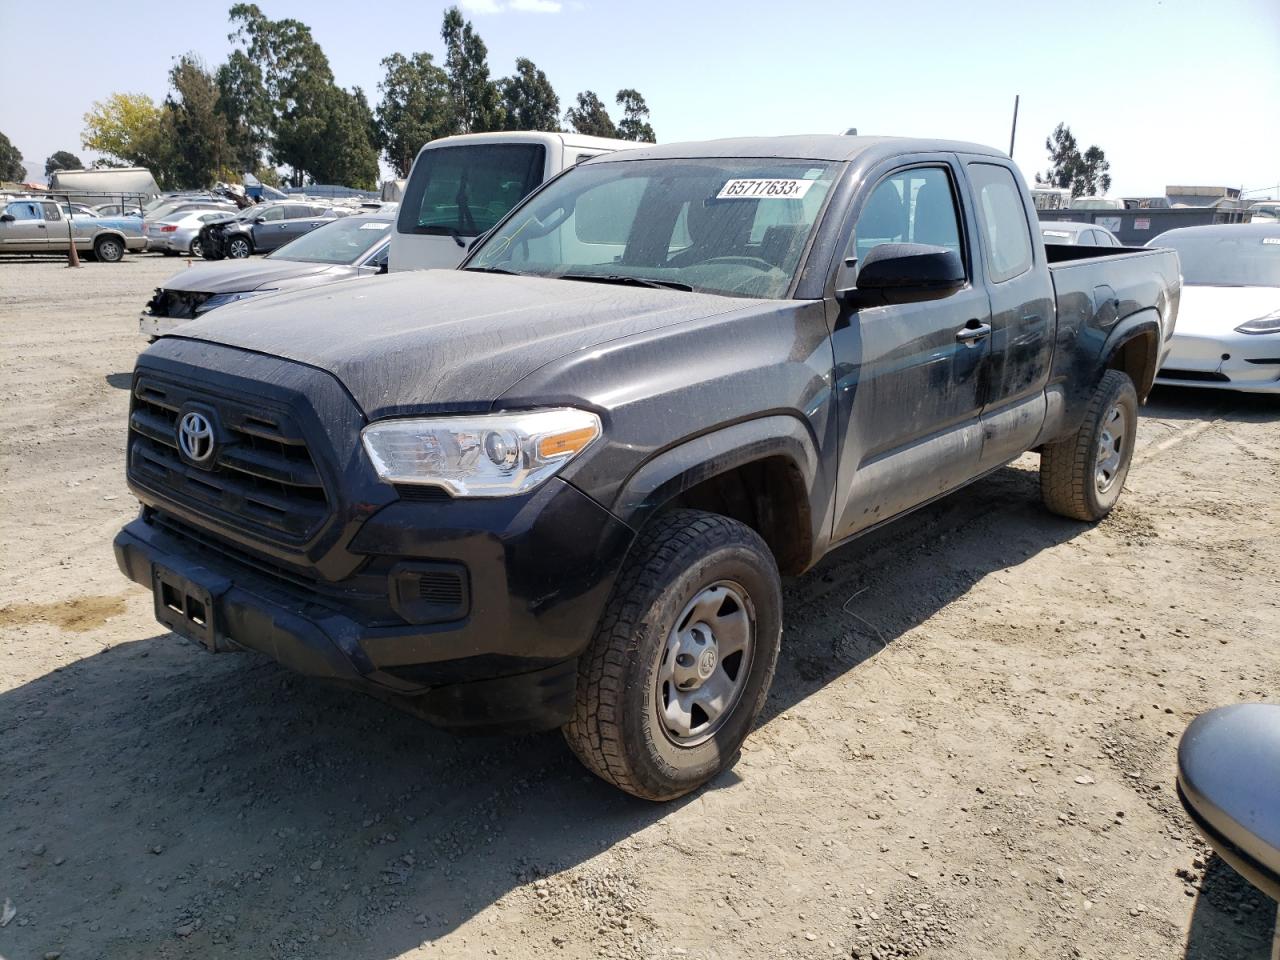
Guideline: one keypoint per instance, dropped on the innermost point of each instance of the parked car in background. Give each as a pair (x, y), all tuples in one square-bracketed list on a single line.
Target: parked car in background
[(263, 228), (168, 207), (1229, 784), (557, 486), (38, 226), (1075, 233), (180, 232), (1265, 210), (339, 250), (78, 210), (461, 186), (1228, 333), (118, 210)]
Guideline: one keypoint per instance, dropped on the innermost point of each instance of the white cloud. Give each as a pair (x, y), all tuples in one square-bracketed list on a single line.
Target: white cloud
[(483, 7)]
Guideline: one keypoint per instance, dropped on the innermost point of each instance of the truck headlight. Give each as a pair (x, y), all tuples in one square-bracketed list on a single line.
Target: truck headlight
[(491, 455), (222, 299), (1268, 324)]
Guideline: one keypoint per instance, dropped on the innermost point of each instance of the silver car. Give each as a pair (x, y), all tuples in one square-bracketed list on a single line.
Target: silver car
[(341, 250), (180, 232), (1077, 232)]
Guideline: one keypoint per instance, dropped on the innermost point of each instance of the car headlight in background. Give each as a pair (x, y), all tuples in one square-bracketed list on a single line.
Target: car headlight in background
[(222, 299), (1268, 324), (491, 455)]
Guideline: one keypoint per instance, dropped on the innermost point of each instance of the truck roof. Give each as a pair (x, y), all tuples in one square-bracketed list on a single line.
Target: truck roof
[(803, 147)]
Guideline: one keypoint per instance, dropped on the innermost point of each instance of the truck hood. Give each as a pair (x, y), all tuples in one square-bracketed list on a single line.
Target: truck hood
[(233, 276), (1210, 311), (445, 339)]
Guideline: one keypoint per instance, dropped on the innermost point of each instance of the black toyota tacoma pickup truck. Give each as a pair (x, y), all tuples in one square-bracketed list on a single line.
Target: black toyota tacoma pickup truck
[(557, 486)]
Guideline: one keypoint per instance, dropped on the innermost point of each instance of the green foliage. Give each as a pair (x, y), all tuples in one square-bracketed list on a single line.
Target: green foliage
[(1086, 174), (475, 96), (528, 100), (635, 117), (416, 107), (11, 165), (590, 117), (243, 103), (131, 130), (343, 151), (62, 160), (201, 146)]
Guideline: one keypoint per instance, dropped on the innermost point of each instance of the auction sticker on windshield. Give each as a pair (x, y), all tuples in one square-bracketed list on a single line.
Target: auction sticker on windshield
[(764, 189)]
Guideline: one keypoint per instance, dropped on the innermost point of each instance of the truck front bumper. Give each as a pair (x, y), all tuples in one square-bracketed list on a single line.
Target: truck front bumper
[(534, 589)]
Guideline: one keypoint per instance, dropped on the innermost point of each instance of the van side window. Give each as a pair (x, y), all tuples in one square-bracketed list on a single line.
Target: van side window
[(1003, 221), (917, 205)]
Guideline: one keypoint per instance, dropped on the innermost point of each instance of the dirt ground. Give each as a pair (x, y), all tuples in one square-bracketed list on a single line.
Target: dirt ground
[(968, 751)]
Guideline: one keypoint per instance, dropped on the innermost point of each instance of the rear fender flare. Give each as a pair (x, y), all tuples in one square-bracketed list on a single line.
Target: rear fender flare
[(1144, 324)]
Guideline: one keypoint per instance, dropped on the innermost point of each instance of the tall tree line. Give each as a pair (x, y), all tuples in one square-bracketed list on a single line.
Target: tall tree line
[(274, 103)]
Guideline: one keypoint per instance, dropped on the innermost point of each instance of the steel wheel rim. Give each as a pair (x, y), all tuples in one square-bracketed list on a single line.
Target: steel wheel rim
[(704, 663), (110, 251), (1111, 440)]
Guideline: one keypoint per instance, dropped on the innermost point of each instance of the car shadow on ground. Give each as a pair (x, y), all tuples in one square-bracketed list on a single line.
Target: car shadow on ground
[(1188, 403), (121, 381), (1232, 919), (154, 792)]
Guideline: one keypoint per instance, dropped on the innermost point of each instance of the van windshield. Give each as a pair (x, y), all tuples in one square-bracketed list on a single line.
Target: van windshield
[(464, 190), (734, 226)]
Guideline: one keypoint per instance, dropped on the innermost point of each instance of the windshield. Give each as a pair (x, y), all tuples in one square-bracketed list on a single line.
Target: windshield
[(464, 190), (1247, 259), (343, 241), (733, 226)]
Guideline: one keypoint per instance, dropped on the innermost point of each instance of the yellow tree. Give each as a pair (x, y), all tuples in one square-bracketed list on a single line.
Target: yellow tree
[(129, 128)]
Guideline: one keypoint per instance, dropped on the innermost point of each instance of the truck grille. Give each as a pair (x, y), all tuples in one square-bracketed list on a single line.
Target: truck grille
[(178, 304), (261, 476)]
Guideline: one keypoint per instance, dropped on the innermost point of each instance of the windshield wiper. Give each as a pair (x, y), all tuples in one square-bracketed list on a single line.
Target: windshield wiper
[(510, 273), (623, 280)]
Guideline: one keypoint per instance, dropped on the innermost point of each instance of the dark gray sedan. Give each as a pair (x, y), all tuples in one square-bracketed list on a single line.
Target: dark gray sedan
[(341, 250)]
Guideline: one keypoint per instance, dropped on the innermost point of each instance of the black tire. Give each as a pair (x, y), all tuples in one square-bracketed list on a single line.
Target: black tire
[(238, 248), (1073, 481), (197, 248), (618, 731), (108, 249)]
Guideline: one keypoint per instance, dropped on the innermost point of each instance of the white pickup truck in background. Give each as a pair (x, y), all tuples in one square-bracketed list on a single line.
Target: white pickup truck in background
[(461, 186)]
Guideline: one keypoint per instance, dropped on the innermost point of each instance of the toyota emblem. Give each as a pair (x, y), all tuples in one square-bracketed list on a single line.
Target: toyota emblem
[(195, 436)]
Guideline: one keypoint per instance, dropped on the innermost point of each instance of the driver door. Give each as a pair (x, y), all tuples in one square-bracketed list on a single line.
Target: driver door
[(910, 377), (27, 231)]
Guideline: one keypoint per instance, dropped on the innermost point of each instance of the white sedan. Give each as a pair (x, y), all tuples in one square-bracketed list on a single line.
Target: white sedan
[(1228, 327)]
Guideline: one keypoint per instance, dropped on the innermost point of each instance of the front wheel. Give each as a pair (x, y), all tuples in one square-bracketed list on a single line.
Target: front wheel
[(197, 248), (238, 248), (682, 659), (1081, 475)]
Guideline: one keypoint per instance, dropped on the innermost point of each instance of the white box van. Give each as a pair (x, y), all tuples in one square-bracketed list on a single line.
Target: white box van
[(461, 186)]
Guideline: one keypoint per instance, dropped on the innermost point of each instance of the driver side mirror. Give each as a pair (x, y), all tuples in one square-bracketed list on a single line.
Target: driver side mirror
[(7, 218), (259, 219), (905, 273), (384, 267)]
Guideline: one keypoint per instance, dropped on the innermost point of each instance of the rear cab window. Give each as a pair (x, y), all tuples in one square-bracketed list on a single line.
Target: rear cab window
[(464, 190), (1002, 219)]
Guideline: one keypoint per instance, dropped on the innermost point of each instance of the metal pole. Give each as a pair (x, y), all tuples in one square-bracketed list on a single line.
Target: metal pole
[(1013, 133)]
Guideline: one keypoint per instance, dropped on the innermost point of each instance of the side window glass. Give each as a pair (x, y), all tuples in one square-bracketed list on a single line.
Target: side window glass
[(51, 213), (274, 213), (912, 206), (1003, 221)]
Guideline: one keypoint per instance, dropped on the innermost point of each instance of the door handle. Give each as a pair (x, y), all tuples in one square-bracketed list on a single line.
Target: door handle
[(973, 333)]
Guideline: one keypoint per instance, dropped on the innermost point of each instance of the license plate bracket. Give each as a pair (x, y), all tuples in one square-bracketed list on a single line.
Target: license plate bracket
[(184, 606)]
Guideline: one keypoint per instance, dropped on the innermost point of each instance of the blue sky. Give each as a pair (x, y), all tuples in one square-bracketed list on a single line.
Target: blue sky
[(1175, 91)]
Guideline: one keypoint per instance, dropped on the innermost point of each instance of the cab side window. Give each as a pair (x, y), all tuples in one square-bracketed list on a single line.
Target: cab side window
[(51, 212), (911, 206), (24, 211), (1002, 220)]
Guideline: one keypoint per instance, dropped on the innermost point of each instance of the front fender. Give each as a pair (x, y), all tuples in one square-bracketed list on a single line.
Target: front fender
[(680, 468)]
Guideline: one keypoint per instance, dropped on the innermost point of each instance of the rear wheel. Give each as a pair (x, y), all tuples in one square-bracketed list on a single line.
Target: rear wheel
[(682, 659), (1081, 475), (108, 250), (238, 248)]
